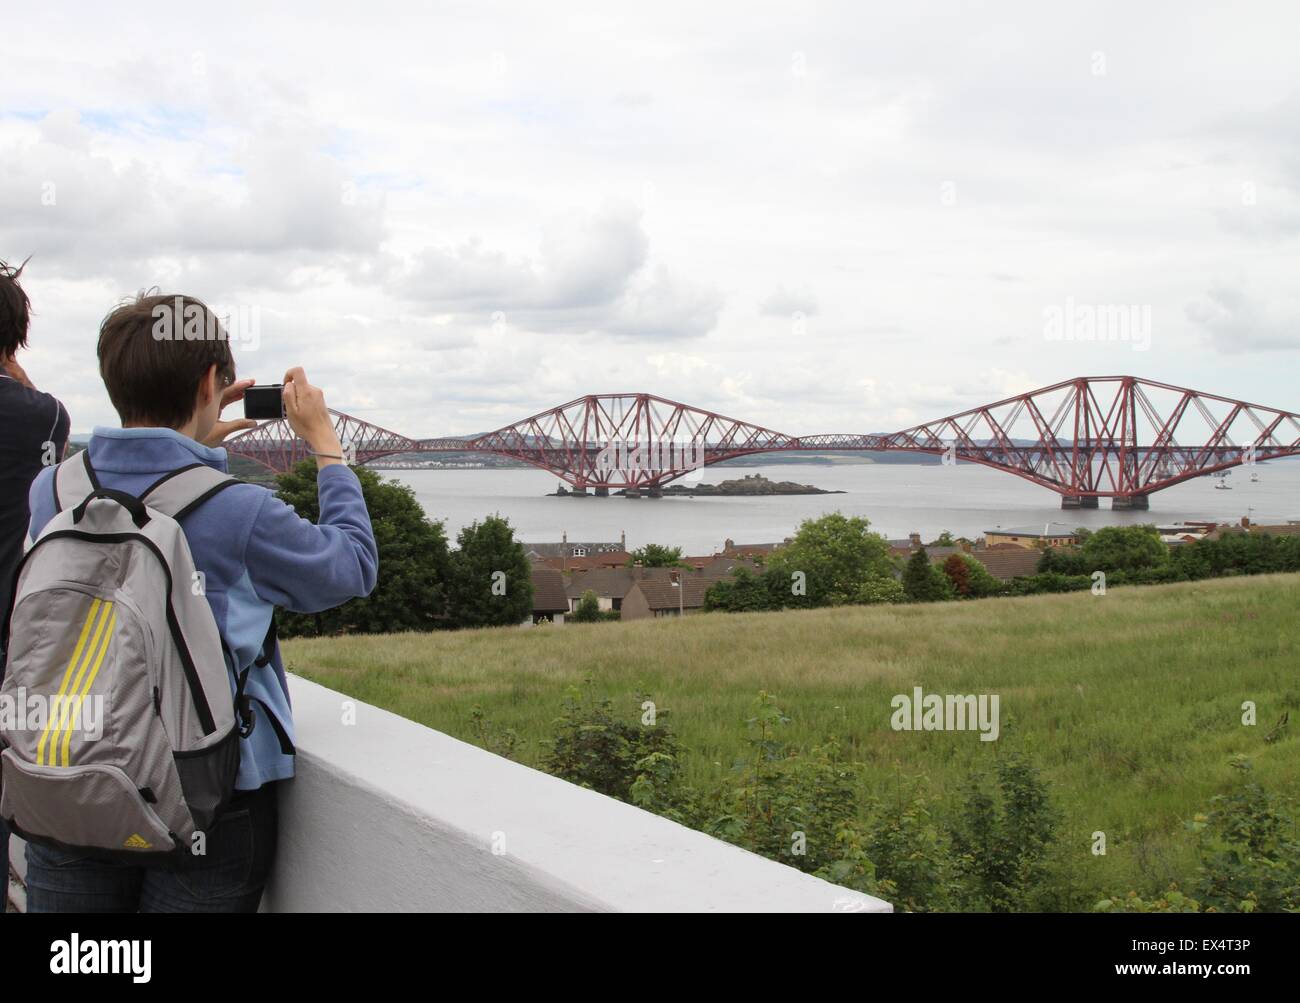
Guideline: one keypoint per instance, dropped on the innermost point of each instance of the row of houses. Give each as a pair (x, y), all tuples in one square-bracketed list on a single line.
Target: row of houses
[(575, 556), (636, 593), (564, 571)]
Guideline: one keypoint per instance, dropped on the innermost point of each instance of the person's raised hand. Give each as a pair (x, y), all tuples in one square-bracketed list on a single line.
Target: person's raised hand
[(304, 407), (231, 395)]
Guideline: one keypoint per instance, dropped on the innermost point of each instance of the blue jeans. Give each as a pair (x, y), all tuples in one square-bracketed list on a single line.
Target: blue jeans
[(229, 877)]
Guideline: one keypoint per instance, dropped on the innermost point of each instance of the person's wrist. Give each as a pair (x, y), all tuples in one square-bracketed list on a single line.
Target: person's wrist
[(325, 441)]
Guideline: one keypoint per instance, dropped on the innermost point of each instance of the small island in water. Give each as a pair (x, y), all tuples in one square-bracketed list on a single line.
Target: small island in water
[(750, 484)]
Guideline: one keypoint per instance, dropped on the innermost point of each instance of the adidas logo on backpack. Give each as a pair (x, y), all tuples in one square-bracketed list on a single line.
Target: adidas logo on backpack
[(103, 611)]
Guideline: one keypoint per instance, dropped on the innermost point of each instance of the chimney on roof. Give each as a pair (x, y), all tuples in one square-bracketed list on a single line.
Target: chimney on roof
[(622, 539), (564, 536), (965, 546), (915, 539), (1245, 522)]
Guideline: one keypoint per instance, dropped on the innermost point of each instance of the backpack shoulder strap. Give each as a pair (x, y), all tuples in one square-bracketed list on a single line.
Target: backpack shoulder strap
[(185, 489), (74, 479)]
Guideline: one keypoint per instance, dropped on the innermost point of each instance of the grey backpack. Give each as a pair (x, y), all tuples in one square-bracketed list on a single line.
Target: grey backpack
[(123, 737)]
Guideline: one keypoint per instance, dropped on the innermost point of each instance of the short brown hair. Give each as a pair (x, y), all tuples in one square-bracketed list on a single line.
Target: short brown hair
[(15, 310), (154, 353)]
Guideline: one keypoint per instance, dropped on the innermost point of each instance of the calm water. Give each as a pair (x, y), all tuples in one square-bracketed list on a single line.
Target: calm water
[(965, 499)]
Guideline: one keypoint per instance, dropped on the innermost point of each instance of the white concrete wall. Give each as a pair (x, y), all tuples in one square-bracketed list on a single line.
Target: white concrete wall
[(387, 815)]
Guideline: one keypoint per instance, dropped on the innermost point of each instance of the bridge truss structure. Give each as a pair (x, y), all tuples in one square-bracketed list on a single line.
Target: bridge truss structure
[(1120, 437)]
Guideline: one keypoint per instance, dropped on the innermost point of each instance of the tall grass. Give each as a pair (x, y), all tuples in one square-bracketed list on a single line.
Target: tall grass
[(1131, 702)]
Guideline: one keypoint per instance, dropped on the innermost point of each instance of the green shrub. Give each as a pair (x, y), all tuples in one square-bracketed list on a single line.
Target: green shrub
[(784, 804), (912, 853), (1249, 851), (1001, 835), (593, 748), (588, 610), (1171, 900)]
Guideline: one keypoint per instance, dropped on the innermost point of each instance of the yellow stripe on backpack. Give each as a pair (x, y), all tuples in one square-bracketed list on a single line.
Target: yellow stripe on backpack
[(90, 679), (56, 710)]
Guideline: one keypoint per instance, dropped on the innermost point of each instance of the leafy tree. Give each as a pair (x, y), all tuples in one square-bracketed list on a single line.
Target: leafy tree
[(969, 578), (945, 540), (654, 555), (955, 568), (414, 567), (1124, 548), (588, 610), (836, 555), (922, 581), (1239, 553), (878, 590), (744, 592), (491, 578), (1063, 561)]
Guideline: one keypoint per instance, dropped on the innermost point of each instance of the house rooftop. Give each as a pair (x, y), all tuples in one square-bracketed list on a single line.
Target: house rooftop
[(601, 559), (661, 593), (574, 548), (730, 548), (1043, 531), (549, 595), (568, 549), (608, 583), (1006, 563)]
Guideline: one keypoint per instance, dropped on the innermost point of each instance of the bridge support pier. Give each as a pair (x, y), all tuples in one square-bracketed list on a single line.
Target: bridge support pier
[(1078, 501), (602, 492), (654, 491), (632, 493), (1123, 503)]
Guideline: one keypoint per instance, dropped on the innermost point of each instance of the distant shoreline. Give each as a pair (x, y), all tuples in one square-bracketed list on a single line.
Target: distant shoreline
[(751, 485)]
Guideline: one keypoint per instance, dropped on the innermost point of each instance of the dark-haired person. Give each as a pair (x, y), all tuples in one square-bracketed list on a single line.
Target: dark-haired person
[(33, 435), (254, 552)]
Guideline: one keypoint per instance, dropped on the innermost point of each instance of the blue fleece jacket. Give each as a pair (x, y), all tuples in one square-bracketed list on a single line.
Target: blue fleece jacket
[(255, 553)]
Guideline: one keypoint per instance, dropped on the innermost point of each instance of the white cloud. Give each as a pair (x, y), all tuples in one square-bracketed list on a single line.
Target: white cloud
[(436, 211), (784, 303), (1237, 323), (590, 275)]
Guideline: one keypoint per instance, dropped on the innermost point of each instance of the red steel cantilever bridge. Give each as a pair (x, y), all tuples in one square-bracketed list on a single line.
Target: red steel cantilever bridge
[(1119, 437)]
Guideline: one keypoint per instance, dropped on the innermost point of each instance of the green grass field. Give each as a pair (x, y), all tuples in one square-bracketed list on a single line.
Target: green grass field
[(1130, 703)]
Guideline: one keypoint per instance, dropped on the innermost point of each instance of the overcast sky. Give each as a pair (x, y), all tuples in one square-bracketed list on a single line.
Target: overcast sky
[(818, 217)]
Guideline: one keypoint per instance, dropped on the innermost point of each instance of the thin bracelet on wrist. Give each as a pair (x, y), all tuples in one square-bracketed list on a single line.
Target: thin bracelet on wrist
[(327, 456)]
